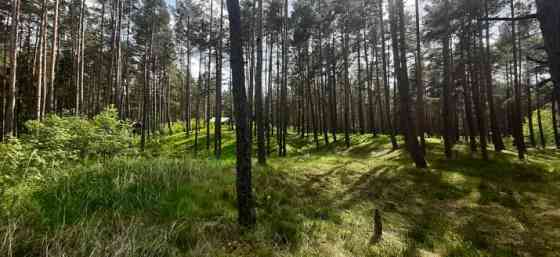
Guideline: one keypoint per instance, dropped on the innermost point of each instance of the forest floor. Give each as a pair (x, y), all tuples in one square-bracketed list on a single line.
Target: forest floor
[(314, 202)]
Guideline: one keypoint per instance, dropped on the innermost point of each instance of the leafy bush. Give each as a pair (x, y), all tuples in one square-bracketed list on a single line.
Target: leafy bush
[(16, 156), (56, 140)]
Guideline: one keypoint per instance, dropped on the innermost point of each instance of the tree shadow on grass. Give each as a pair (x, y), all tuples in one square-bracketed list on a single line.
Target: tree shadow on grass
[(433, 205), (199, 198)]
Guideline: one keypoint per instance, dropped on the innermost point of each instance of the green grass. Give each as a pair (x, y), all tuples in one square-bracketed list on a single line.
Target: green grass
[(315, 202)]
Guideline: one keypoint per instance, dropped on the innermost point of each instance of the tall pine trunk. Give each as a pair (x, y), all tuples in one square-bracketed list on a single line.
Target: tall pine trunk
[(10, 113), (245, 201), (218, 104), (52, 76), (408, 127), (494, 127), (517, 119), (390, 124), (420, 116), (259, 108)]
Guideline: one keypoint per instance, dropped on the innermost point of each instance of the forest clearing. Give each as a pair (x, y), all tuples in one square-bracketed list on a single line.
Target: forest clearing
[(174, 128)]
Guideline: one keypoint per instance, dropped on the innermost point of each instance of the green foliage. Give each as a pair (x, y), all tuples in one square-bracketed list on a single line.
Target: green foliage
[(55, 142), (546, 116)]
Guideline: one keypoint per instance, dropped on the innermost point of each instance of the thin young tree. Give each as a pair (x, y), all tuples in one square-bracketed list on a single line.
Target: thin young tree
[(494, 127), (387, 93), (420, 116), (259, 108), (54, 56), (517, 119), (218, 104), (10, 114), (446, 111)]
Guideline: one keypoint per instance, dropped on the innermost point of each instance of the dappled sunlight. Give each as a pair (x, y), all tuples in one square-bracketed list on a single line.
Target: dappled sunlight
[(316, 202)]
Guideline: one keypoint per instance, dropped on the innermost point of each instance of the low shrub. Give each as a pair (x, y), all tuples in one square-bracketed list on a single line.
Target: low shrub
[(56, 140)]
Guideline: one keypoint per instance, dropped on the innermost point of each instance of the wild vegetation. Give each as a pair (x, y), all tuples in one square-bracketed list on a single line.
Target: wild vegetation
[(279, 128), (314, 202)]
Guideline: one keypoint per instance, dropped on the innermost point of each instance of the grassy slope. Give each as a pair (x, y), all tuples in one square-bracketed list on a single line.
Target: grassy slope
[(315, 202)]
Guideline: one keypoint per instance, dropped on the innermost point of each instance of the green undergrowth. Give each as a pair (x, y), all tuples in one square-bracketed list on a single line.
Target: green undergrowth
[(317, 201)]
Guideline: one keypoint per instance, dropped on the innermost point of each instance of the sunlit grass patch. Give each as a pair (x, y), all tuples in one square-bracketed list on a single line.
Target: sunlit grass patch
[(314, 202)]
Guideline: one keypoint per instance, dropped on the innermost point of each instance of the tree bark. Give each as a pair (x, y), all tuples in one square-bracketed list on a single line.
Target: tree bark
[(392, 130), (284, 89), (259, 108), (539, 119), (408, 128), (517, 119), (347, 99), (554, 109), (10, 114), (420, 116), (494, 126), (245, 202), (54, 56), (218, 115), (478, 98), (40, 59)]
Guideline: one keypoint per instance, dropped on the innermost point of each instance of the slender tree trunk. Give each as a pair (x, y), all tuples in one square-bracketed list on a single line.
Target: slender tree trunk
[(100, 59), (78, 58), (478, 97), (554, 111), (10, 114), (532, 139), (378, 84), (81, 56), (495, 128), (197, 117), (309, 77), (284, 89), (360, 87), (347, 98), (268, 120), (467, 86), (539, 119), (390, 124), (54, 53), (333, 93), (252, 61), (409, 130), (44, 76), (371, 102), (40, 59), (119, 62), (446, 112), (245, 202), (218, 115), (209, 77), (259, 108), (145, 93), (420, 116), (322, 101), (518, 126), (188, 75)]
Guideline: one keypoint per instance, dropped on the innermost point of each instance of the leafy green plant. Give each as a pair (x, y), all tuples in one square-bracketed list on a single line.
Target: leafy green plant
[(57, 140)]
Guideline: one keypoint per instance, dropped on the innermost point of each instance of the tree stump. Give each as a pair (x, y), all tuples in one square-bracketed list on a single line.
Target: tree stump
[(377, 227)]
